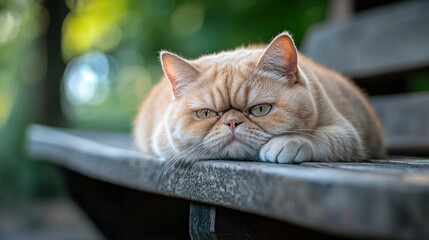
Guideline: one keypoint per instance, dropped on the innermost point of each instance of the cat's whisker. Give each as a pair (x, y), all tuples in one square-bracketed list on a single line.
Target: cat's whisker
[(184, 164), (176, 159), (195, 154), (213, 144), (193, 161), (258, 137)]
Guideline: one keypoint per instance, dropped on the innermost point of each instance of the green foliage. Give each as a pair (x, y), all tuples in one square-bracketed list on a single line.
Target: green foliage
[(419, 82), (136, 31), (22, 67)]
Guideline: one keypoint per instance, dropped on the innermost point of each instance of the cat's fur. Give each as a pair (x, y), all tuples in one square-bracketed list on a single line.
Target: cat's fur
[(316, 113)]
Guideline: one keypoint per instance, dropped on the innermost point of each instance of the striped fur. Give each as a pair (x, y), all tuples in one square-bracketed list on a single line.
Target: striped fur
[(316, 115)]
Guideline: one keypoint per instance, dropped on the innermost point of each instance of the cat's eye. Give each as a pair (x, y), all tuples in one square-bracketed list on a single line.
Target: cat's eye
[(205, 113), (260, 110)]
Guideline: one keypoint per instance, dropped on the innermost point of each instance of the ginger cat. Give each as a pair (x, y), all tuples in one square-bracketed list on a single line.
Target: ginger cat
[(269, 104)]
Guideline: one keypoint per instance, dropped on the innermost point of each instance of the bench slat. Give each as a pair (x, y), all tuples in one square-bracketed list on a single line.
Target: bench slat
[(405, 118), (339, 198), (378, 42)]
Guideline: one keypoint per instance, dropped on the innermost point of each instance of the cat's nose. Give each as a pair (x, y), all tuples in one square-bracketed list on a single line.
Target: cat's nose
[(232, 123)]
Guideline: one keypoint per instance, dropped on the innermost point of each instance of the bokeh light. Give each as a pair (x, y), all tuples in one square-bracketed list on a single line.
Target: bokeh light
[(86, 79), (93, 25), (9, 25)]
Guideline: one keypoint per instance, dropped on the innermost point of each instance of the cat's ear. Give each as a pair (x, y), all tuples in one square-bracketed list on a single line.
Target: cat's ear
[(178, 71), (280, 59)]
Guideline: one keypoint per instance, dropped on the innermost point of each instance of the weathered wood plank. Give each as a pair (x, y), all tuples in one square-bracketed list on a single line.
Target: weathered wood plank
[(405, 118), (341, 198), (382, 41)]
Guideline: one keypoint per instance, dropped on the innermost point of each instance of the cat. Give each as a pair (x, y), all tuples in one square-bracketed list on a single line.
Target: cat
[(263, 103)]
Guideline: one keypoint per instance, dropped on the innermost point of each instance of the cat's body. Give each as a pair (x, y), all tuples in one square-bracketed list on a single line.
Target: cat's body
[(269, 104)]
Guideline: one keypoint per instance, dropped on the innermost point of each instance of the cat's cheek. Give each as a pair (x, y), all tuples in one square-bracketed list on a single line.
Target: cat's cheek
[(202, 126)]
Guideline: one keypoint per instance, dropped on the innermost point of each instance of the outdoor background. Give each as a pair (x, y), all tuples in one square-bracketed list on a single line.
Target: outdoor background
[(93, 71)]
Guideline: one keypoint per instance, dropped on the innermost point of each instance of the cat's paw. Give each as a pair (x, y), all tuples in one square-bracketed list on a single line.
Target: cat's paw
[(287, 149)]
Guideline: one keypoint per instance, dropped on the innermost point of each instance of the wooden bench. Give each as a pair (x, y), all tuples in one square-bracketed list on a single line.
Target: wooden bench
[(119, 189)]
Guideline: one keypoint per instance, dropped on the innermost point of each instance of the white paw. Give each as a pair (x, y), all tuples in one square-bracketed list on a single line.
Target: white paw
[(287, 149)]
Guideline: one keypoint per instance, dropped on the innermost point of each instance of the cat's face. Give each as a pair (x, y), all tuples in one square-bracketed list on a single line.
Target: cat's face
[(228, 105)]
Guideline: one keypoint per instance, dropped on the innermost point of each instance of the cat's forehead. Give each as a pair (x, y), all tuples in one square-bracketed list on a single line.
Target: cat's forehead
[(230, 86), (228, 81), (244, 57), (228, 67), (223, 97)]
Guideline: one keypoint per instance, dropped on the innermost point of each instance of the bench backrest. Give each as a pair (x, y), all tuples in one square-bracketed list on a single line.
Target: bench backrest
[(379, 49)]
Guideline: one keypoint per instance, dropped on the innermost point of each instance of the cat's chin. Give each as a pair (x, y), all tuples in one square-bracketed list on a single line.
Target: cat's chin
[(237, 150), (234, 143)]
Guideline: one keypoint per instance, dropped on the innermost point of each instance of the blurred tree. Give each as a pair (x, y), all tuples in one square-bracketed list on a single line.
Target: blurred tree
[(22, 70)]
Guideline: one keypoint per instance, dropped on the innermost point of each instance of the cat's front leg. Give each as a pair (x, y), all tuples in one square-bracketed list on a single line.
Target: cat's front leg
[(287, 149), (330, 143)]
